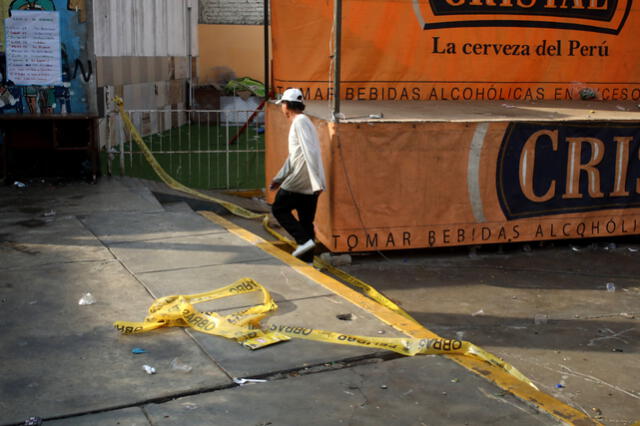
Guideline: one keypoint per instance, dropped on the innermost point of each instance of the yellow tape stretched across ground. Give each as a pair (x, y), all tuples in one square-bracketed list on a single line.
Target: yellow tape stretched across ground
[(247, 214), (244, 326)]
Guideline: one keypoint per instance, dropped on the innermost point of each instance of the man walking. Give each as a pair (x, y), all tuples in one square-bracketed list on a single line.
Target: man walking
[(301, 178)]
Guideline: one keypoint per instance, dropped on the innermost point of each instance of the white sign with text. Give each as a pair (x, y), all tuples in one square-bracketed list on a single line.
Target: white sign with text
[(33, 48)]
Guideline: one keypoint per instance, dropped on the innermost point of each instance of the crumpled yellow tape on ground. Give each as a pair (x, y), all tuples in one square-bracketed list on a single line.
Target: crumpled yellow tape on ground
[(244, 326)]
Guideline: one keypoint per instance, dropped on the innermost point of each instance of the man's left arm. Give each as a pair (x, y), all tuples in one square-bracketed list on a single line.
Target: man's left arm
[(313, 157)]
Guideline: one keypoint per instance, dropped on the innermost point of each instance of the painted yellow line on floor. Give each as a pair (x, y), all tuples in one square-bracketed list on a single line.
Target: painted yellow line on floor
[(496, 375)]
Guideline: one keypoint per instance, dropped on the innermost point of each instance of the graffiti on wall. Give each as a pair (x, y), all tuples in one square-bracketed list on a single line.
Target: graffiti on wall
[(46, 5), (76, 69)]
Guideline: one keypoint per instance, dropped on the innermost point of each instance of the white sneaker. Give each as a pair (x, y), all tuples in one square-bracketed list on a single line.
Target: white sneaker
[(302, 249)]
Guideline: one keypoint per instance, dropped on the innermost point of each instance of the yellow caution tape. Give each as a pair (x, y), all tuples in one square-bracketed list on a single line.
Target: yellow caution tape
[(445, 345), (368, 290), (170, 181), (247, 214), (244, 326), (174, 184)]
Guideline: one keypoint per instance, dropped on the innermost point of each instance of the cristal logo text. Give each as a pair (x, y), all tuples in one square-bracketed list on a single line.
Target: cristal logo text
[(560, 170)]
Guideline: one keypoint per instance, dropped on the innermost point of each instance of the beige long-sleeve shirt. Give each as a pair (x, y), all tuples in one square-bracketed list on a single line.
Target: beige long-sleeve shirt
[(303, 171)]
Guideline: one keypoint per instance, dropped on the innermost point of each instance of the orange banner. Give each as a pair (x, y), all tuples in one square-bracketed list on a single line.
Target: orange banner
[(460, 49), (437, 184)]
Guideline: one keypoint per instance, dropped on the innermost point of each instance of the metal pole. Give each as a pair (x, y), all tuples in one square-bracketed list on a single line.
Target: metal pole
[(189, 57), (266, 49), (227, 150), (337, 24), (121, 136)]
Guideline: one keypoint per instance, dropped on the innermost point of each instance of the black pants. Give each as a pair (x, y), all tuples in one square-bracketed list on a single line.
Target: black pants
[(305, 204)]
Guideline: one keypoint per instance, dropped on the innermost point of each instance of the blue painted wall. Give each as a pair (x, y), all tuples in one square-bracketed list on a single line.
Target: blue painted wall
[(77, 68)]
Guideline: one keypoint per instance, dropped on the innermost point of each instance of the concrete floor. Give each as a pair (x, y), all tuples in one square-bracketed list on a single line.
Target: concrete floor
[(545, 310), (65, 363), (543, 307)]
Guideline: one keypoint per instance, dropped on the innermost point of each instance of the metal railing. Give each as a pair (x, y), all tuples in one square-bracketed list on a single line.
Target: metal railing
[(203, 149)]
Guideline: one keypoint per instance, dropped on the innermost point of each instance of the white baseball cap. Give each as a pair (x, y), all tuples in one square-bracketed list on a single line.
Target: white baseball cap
[(291, 95)]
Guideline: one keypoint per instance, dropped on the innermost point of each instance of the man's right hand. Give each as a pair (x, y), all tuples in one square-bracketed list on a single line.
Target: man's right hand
[(274, 185)]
